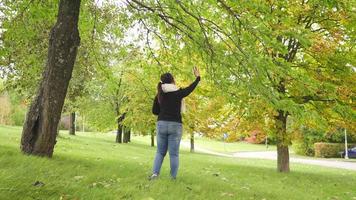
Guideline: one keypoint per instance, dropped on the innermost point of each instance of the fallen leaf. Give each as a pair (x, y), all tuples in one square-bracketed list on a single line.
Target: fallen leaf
[(224, 179), (78, 177), (38, 184), (227, 194), (216, 174), (245, 187)]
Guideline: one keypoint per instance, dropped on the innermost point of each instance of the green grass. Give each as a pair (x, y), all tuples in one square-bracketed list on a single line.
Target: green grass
[(220, 146), (232, 147), (92, 166)]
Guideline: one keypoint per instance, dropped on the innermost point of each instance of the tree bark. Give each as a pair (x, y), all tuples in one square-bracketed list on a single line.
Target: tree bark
[(120, 128), (192, 142), (119, 134), (72, 123), (39, 131), (282, 158), (127, 133), (282, 142), (152, 140)]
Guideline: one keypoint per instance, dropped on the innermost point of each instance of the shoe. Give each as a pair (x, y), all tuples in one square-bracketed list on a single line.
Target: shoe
[(153, 177)]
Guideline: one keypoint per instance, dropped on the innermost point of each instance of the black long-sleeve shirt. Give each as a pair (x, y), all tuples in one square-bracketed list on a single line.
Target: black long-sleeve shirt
[(170, 107)]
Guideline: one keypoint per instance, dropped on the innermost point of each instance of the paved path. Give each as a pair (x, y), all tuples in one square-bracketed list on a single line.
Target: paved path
[(272, 155)]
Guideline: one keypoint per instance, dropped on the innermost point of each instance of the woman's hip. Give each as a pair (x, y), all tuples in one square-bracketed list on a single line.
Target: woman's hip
[(169, 127)]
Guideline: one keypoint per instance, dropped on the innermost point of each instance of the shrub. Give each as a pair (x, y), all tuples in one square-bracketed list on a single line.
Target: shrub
[(303, 148), (18, 115), (304, 140), (5, 109), (330, 150)]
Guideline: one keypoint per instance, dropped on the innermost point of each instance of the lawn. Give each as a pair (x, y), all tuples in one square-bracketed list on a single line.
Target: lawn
[(219, 146), (231, 147), (92, 166)]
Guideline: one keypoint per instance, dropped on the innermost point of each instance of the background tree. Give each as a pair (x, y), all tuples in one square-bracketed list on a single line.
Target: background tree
[(270, 51)]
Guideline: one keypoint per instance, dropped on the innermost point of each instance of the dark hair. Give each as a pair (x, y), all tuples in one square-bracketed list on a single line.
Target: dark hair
[(165, 78)]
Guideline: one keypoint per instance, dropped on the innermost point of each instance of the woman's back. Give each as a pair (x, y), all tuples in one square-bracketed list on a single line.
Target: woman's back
[(168, 104), (169, 108)]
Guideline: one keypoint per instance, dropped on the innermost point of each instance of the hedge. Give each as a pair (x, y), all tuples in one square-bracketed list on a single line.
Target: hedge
[(303, 148), (330, 150)]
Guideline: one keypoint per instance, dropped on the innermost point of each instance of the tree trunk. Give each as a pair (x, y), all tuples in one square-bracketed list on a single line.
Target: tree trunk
[(120, 127), (152, 140), (39, 131), (282, 158), (72, 123), (282, 142), (83, 121), (127, 133), (119, 133), (192, 142)]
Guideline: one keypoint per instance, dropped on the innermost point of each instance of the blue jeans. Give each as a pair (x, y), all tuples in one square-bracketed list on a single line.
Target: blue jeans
[(169, 135)]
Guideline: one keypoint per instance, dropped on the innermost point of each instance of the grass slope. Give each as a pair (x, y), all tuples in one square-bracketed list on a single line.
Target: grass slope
[(92, 166)]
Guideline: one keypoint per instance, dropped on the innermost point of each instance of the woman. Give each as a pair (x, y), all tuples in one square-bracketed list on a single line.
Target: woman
[(168, 105)]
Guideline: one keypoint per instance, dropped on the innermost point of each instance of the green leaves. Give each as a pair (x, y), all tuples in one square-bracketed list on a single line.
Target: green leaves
[(257, 54)]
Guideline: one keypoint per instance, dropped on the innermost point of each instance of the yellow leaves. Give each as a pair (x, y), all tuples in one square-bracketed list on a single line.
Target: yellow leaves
[(344, 92), (321, 46)]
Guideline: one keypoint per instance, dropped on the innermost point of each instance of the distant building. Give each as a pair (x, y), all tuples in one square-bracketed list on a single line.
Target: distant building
[(256, 137)]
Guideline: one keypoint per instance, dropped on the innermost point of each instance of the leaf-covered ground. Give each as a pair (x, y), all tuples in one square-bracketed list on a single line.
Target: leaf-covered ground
[(92, 166)]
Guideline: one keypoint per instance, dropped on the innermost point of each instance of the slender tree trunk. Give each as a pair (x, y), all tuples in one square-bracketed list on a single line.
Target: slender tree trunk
[(119, 133), (127, 133), (40, 128), (72, 123), (152, 140), (192, 142), (120, 129), (282, 142), (83, 121)]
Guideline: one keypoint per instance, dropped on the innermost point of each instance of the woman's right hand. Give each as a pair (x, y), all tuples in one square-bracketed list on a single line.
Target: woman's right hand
[(196, 71)]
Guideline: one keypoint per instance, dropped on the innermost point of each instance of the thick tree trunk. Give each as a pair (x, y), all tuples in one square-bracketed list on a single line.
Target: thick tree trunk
[(72, 123), (282, 142), (39, 131), (152, 140), (127, 133), (192, 142)]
